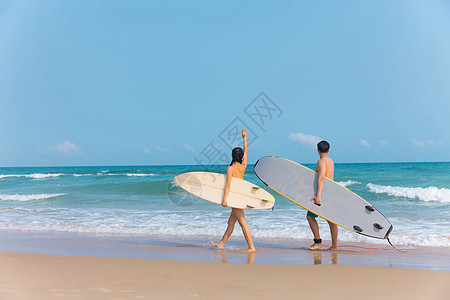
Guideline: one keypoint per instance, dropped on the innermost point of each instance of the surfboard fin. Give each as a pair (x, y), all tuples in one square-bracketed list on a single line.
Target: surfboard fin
[(370, 208), (377, 226), (256, 187), (265, 200), (358, 229), (249, 206)]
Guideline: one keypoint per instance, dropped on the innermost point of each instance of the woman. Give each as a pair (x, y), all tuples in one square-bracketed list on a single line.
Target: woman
[(236, 169)]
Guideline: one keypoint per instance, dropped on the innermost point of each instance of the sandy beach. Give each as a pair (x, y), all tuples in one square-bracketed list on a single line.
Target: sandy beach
[(42, 276)]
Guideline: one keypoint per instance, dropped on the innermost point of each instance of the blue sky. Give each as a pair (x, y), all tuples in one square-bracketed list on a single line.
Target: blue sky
[(156, 82)]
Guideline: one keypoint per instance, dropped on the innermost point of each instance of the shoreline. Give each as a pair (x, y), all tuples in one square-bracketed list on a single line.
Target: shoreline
[(273, 251), (42, 276)]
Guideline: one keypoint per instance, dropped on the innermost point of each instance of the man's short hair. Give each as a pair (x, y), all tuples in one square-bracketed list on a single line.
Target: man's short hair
[(323, 147)]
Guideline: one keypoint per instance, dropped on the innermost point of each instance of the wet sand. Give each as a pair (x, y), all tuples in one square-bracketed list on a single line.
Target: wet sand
[(198, 248)]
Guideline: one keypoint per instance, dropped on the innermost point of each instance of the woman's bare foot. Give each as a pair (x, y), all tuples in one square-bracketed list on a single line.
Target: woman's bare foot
[(314, 246), (218, 245), (250, 250), (332, 248)]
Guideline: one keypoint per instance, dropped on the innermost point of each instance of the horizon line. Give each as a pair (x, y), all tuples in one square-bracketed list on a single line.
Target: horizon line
[(162, 165)]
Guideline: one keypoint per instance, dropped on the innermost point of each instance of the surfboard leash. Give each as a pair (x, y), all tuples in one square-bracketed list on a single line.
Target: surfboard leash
[(366, 248), (399, 250)]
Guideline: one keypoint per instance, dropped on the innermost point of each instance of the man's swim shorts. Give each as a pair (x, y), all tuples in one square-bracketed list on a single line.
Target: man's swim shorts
[(310, 214)]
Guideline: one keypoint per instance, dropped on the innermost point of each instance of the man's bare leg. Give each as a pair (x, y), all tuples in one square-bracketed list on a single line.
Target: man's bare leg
[(228, 232), (315, 230), (334, 234), (239, 214)]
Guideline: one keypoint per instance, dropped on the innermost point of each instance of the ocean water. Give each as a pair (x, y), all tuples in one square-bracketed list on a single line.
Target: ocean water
[(143, 200)]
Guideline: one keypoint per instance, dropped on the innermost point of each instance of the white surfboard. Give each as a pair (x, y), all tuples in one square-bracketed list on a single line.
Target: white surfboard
[(210, 187), (339, 205)]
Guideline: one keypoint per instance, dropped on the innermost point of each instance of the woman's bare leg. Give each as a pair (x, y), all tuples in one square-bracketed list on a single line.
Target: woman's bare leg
[(240, 217), (228, 232)]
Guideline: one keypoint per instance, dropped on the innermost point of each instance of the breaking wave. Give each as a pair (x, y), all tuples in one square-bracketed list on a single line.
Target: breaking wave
[(34, 176), (348, 182), (431, 193), (31, 197), (139, 174)]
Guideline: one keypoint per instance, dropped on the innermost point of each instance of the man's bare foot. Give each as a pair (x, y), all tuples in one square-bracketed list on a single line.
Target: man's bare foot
[(250, 250), (314, 246), (218, 245), (332, 248)]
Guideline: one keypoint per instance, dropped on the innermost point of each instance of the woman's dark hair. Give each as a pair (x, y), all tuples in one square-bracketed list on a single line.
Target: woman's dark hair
[(237, 154)]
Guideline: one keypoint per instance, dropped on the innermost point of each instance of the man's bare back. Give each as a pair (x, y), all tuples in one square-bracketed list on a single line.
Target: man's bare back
[(327, 163)]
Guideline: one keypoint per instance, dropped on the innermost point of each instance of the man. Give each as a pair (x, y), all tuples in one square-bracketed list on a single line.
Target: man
[(324, 168)]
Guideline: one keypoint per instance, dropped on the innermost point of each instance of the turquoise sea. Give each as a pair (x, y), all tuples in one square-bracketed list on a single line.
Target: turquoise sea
[(142, 200)]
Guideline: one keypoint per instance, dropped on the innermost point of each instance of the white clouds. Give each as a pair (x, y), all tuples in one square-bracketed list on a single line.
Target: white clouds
[(147, 150), (364, 143), (156, 148), (305, 139), (161, 149), (3, 149), (65, 147), (422, 144), (189, 147), (383, 143)]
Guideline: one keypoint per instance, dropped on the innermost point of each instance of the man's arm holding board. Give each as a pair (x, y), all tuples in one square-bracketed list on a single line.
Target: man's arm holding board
[(321, 170)]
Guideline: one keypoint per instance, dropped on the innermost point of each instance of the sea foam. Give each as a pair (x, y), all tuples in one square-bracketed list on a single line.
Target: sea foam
[(202, 223), (348, 182), (139, 174), (431, 193), (34, 176), (32, 197)]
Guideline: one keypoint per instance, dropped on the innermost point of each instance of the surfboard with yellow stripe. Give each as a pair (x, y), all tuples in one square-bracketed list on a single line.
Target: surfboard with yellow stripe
[(339, 205)]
